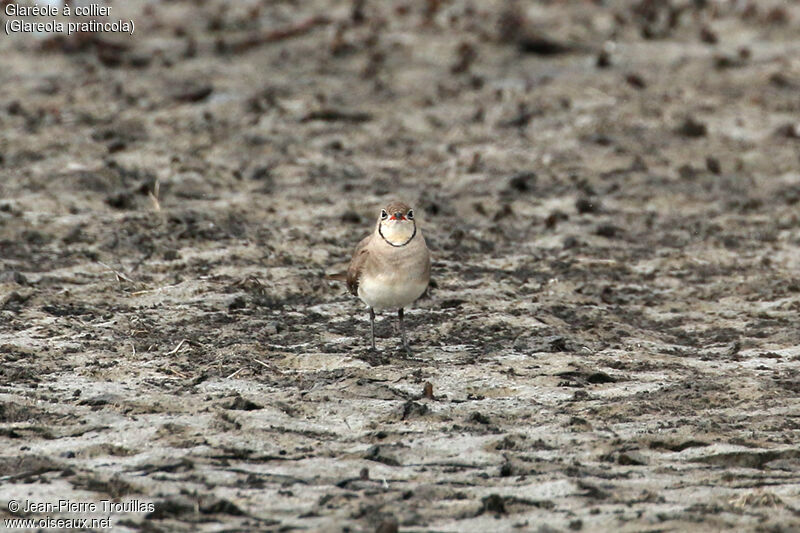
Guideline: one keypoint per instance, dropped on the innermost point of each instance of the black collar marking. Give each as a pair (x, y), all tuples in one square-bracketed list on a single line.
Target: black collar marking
[(397, 245)]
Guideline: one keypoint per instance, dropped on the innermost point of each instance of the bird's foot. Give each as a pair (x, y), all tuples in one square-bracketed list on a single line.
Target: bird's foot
[(405, 347)]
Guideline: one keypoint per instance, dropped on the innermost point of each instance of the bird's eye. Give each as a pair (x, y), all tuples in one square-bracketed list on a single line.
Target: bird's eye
[(410, 215), (384, 214)]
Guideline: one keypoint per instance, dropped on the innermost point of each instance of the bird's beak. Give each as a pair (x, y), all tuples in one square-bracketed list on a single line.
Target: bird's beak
[(397, 216)]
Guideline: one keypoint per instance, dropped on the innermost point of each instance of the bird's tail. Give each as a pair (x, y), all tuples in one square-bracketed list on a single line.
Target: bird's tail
[(339, 276)]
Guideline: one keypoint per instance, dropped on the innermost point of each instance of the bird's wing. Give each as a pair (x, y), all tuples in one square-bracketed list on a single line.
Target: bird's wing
[(356, 267)]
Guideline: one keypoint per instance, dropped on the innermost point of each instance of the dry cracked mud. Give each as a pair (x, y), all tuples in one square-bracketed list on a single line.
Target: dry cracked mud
[(612, 334)]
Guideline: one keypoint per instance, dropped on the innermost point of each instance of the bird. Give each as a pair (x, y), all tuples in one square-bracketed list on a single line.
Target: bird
[(391, 267)]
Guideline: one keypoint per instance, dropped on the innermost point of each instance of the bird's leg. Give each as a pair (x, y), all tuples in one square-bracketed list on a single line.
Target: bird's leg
[(403, 330), (372, 324)]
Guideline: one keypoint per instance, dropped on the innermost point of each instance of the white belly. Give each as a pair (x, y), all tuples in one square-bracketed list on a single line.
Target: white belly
[(384, 292)]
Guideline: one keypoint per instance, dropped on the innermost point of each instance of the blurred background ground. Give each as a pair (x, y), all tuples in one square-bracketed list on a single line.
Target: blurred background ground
[(610, 192)]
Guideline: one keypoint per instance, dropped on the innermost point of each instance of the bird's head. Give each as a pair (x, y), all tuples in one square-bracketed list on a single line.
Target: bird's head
[(396, 224)]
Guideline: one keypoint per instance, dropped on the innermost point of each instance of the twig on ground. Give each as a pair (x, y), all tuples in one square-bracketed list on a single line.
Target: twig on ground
[(157, 289), (179, 374), (235, 373), (274, 36), (154, 196), (178, 347), (120, 276)]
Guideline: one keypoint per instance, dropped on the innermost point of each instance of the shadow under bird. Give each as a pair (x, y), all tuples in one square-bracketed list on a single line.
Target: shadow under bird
[(391, 267)]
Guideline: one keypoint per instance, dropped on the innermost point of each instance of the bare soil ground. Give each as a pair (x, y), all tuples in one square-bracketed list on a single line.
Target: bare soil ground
[(611, 334)]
